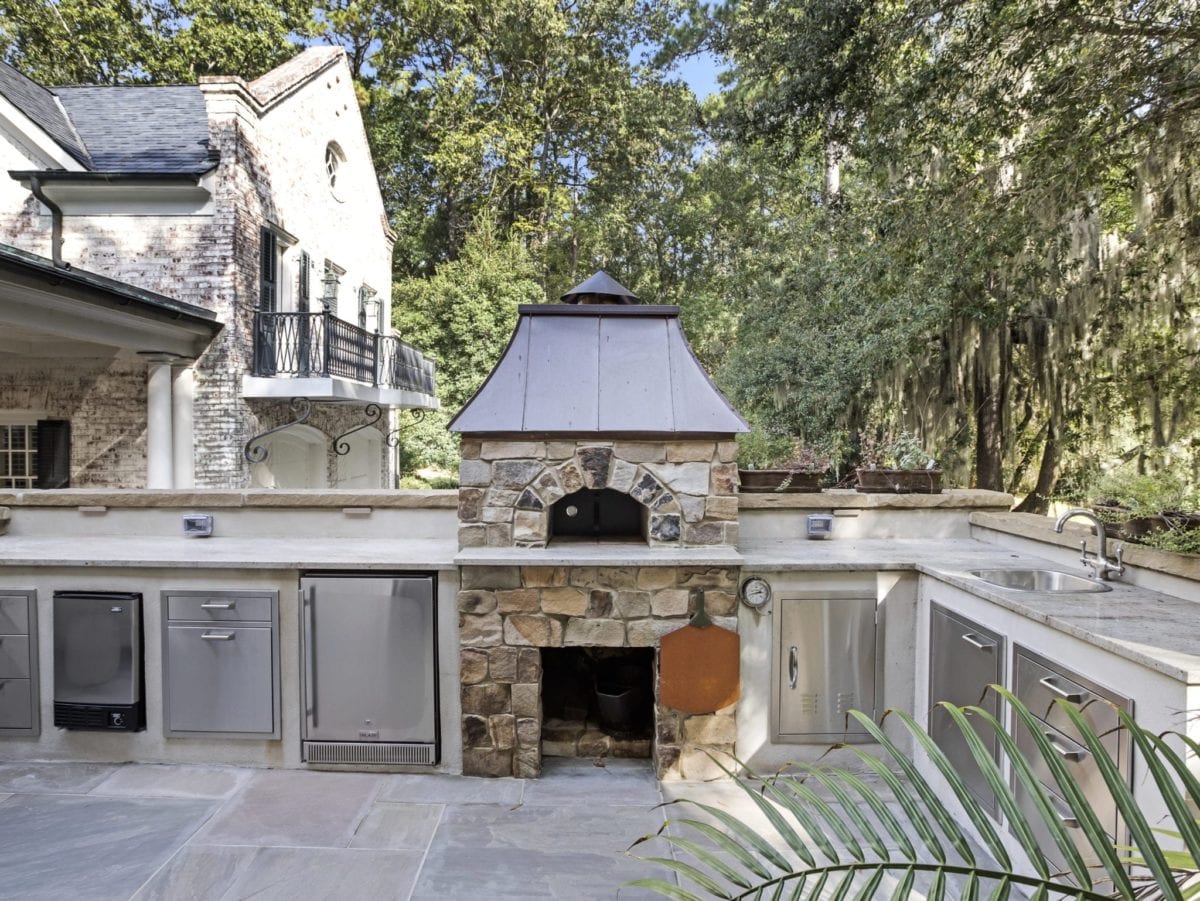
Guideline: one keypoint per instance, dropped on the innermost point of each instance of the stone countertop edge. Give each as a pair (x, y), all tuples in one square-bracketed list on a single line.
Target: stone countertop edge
[(601, 555), (1041, 528), (218, 499), (1150, 628), (229, 553), (848, 498)]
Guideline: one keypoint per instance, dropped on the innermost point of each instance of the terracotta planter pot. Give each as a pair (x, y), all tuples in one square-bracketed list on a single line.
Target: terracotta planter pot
[(899, 481), (781, 481)]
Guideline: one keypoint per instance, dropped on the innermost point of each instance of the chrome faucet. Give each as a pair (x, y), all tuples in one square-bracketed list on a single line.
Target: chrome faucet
[(1101, 565)]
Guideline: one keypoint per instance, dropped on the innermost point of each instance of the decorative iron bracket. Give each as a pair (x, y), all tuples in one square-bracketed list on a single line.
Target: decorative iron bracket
[(393, 437), (255, 452), (341, 447)]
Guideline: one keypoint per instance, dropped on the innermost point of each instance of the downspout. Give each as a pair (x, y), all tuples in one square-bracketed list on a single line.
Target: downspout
[(56, 221)]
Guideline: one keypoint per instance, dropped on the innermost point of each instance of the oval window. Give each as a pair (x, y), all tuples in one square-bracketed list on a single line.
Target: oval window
[(333, 164)]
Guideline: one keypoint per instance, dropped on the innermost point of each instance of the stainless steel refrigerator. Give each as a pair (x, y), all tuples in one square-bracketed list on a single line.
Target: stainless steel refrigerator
[(370, 668)]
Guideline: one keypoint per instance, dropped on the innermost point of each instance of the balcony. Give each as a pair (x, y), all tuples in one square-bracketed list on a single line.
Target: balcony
[(319, 356)]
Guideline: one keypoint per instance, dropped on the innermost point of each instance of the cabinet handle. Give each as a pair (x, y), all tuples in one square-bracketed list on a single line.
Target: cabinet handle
[(310, 656), (1067, 818), (1063, 751), (976, 642), (217, 636), (225, 605), (793, 667), (1071, 695)]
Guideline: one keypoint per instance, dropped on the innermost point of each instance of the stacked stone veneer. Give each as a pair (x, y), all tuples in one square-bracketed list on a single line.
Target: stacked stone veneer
[(687, 489), (508, 613)]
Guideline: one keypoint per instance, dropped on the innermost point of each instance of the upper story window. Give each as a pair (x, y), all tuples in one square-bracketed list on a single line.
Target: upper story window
[(331, 281), (334, 158)]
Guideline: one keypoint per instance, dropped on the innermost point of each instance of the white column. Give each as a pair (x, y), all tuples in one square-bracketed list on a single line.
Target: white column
[(159, 456), (183, 389)]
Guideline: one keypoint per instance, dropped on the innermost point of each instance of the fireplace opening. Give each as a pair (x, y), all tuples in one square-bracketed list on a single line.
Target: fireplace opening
[(597, 702), (597, 513)]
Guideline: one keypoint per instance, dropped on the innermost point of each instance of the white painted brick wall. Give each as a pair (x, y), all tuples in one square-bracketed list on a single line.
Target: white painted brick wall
[(272, 170)]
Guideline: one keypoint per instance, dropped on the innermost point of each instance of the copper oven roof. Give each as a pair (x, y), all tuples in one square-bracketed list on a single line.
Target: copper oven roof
[(602, 369)]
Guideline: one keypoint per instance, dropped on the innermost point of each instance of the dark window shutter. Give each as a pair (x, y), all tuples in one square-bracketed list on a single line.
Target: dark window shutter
[(305, 267), (54, 453), (267, 270)]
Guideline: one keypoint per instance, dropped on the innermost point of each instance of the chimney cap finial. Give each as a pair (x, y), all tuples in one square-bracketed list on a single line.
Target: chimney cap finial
[(598, 289)]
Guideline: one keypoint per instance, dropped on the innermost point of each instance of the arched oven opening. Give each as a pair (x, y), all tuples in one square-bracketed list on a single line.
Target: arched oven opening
[(598, 514)]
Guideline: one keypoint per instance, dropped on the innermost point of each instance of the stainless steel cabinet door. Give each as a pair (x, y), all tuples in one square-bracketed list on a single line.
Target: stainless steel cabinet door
[(16, 705), (220, 679), (964, 658), (826, 665), (369, 659)]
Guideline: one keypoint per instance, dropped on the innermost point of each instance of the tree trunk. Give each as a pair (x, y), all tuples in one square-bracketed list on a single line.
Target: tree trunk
[(1038, 500), (990, 395)]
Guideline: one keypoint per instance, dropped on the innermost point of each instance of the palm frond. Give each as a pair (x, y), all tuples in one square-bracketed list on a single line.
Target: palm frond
[(892, 832)]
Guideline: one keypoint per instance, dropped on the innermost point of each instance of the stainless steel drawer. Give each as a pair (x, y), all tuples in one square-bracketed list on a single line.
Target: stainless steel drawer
[(218, 607), (1039, 686), (14, 656), (14, 614), (16, 704), (1044, 839), (220, 679), (1079, 763)]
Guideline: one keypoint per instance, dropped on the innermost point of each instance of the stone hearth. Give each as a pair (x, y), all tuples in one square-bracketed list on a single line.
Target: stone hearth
[(506, 614)]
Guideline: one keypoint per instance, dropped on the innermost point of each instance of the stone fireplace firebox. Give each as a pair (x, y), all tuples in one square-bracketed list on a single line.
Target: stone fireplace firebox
[(600, 403)]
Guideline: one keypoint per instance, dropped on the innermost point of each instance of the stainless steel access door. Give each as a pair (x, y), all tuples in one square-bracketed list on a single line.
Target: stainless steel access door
[(369, 658), (826, 665), (964, 659)]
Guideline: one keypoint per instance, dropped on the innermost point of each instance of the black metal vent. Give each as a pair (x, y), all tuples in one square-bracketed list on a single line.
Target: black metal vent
[(596, 513)]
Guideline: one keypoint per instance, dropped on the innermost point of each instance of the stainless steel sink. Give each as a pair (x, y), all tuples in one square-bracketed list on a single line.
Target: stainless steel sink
[(1045, 580)]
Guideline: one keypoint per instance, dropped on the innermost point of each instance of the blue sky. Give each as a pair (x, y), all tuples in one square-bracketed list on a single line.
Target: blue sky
[(700, 72)]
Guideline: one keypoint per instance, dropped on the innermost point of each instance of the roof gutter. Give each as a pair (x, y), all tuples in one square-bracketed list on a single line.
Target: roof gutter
[(108, 177), (56, 221)]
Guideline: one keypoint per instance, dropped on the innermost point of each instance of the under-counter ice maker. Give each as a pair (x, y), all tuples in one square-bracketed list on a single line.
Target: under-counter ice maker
[(98, 661)]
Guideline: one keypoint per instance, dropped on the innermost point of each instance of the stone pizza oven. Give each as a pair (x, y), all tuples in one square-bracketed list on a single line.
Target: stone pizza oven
[(598, 490)]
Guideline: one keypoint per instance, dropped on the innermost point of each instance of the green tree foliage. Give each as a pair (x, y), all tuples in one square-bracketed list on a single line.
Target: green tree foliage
[(130, 41), (463, 315), (1015, 209)]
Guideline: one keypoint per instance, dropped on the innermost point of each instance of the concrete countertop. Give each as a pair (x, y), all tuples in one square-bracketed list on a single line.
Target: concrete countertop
[(229, 553), (1156, 630), (599, 553)]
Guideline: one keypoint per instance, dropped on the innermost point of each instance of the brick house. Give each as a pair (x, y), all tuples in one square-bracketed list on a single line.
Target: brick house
[(186, 268)]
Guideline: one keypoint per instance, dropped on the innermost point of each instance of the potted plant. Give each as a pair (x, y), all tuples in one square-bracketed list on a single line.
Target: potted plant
[(894, 462), (1139, 505), (797, 471)]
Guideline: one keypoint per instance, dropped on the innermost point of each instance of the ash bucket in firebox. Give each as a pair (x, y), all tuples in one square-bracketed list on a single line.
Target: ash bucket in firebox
[(623, 698)]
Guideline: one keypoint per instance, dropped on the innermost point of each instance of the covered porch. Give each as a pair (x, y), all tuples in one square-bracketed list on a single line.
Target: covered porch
[(92, 367)]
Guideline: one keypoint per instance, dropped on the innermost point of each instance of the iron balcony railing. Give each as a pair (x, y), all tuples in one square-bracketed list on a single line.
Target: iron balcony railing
[(321, 345)]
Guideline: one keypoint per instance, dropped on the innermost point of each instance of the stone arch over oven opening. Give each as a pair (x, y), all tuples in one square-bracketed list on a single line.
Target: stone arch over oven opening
[(594, 473)]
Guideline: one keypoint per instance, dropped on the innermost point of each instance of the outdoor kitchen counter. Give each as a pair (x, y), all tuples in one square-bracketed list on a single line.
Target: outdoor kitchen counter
[(122, 551), (1150, 628)]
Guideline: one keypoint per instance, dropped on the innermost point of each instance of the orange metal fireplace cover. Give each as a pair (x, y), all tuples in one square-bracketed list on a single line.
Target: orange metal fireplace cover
[(698, 669)]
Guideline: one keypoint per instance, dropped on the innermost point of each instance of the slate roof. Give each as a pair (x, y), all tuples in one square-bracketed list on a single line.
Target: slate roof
[(160, 129), (40, 105), (153, 129), (603, 369)]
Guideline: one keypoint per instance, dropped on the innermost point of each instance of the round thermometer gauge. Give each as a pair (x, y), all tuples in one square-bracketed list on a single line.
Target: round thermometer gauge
[(756, 593)]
